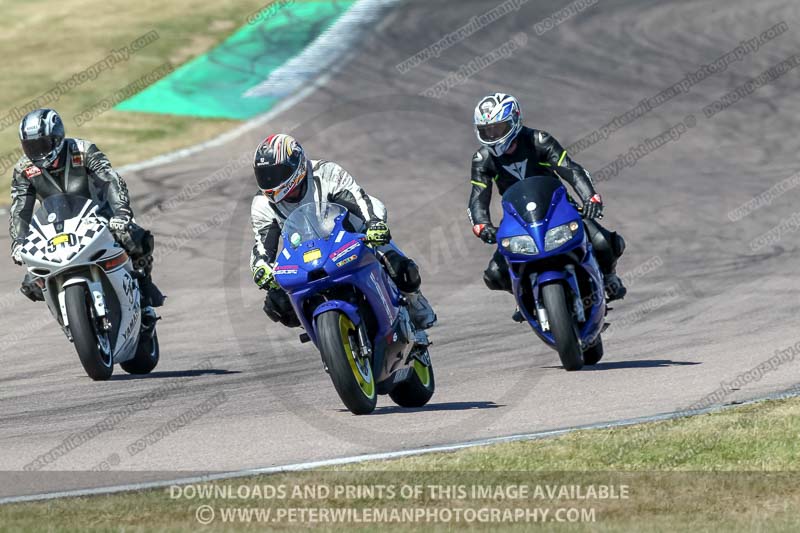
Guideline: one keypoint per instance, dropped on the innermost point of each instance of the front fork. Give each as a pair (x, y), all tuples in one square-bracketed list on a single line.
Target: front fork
[(364, 345), (95, 287), (577, 301)]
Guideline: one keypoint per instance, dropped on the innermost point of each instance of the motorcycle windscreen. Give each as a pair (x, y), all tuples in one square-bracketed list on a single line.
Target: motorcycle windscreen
[(61, 207), (312, 221), (531, 197)]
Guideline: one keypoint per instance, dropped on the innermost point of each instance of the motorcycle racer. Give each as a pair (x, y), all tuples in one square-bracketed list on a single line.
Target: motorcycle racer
[(511, 152), (55, 164), (287, 180)]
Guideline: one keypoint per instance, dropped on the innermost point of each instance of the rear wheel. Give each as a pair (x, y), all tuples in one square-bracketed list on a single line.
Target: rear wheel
[(594, 353), (562, 326), (92, 345), (351, 374), (146, 358), (418, 389)]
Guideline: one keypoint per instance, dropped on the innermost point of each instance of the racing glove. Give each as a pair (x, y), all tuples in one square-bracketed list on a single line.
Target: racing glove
[(120, 223), (485, 232), (593, 207), (263, 275), (378, 233), (16, 253)]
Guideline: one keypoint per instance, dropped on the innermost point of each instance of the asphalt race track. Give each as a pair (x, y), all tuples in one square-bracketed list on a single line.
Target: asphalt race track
[(705, 305)]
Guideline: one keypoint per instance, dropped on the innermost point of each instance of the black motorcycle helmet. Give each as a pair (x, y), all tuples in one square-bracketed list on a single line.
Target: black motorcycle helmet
[(41, 133)]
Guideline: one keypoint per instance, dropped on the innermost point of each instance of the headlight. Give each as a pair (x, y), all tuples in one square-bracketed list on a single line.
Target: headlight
[(521, 244), (560, 235)]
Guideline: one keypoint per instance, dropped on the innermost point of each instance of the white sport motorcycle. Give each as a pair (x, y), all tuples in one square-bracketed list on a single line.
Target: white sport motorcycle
[(90, 286)]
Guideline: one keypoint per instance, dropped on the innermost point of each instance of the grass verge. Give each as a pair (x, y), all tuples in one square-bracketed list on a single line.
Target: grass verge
[(734, 470), (44, 43)]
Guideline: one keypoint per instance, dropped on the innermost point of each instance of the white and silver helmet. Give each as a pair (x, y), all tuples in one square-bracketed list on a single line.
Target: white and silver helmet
[(498, 121), (41, 133)]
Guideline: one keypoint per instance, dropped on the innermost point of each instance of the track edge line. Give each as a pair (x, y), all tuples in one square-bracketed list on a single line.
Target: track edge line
[(383, 456)]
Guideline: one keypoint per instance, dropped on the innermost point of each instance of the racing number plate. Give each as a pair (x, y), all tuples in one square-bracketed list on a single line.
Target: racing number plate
[(312, 255), (58, 240), (61, 239)]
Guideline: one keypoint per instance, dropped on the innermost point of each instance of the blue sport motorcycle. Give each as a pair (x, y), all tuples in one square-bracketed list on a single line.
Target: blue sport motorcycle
[(351, 310), (554, 274)]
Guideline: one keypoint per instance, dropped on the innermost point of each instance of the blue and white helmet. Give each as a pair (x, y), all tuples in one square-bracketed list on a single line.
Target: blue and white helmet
[(498, 121)]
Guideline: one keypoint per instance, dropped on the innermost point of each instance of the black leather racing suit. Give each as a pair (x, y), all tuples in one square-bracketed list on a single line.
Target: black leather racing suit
[(81, 169), (536, 153)]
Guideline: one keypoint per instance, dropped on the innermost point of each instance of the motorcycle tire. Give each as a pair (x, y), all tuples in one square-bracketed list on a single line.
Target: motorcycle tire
[(593, 354), (351, 375), (98, 365), (562, 327), (418, 389), (146, 358)]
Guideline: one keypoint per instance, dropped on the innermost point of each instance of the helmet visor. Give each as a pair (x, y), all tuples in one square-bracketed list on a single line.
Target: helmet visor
[(38, 149), (270, 177), (490, 133)]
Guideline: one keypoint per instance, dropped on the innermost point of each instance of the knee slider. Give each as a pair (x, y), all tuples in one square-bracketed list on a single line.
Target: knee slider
[(278, 308), (403, 271), (31, 290), (494, 279), (618, 243), (602, 246)]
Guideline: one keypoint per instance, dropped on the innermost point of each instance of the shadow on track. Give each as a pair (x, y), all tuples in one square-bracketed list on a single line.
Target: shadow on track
[(639, 363), (175, 374), (446, 406)]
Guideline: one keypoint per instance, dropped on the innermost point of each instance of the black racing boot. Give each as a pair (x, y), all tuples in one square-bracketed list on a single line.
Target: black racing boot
[(149, 319), (608, 248), (615, 290), (30, 289), (517, 316), (420, 310), (151, 295)]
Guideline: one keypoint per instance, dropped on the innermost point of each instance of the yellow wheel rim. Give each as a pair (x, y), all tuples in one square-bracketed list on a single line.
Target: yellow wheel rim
[(361, 367), (423, 373)]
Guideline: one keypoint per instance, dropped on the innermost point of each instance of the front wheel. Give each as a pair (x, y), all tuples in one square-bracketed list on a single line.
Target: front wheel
[(351, 374), (418, 389), (146, 358), (562, 326), (92, 345)]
